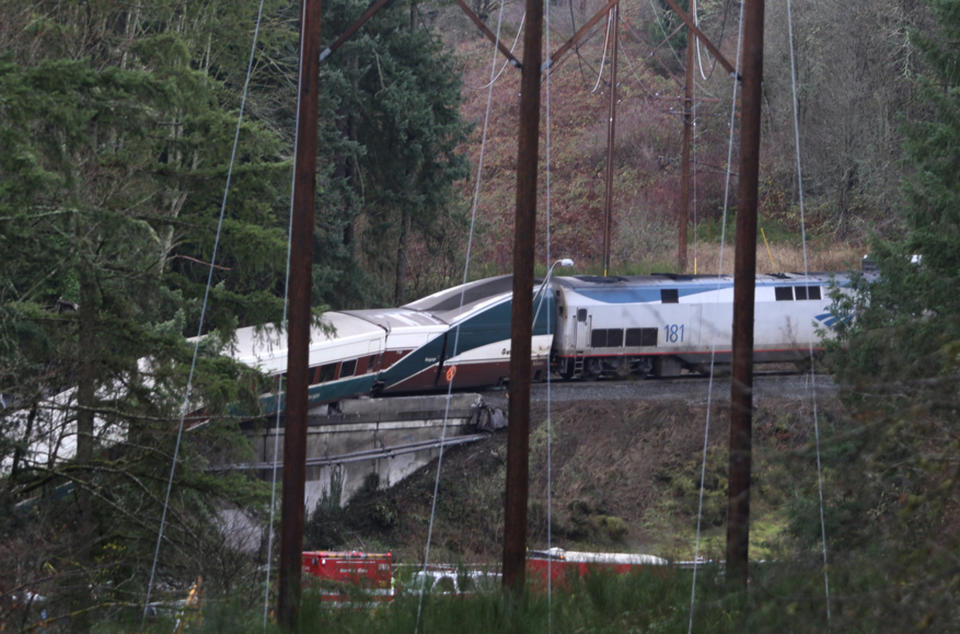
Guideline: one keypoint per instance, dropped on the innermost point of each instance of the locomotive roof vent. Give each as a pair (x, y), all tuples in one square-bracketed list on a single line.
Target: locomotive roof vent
[(600, 279)]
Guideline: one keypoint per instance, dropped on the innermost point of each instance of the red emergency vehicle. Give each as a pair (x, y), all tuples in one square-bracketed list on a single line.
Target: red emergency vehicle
[(560, 564), (338, 573)]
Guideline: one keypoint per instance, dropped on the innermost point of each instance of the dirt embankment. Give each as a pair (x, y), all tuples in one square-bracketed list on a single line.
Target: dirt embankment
[(623, 476)]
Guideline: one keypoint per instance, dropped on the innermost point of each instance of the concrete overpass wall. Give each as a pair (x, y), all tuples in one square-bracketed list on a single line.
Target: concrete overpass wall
[(388, 437)]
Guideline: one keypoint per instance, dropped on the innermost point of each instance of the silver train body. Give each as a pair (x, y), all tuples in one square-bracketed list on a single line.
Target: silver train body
[(659, 325)]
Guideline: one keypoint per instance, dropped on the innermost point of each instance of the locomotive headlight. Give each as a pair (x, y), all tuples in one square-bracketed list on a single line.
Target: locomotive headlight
[(564, 262)]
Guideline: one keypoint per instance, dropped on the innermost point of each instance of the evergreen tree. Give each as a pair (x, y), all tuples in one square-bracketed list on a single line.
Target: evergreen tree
[(116, 136), (391, 129), (894, 507), (117, 120)]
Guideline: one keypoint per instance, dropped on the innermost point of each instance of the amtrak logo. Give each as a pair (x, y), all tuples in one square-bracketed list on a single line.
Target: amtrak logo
[(827, 319)]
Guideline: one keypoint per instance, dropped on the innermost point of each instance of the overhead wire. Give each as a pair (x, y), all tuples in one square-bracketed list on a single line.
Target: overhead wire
[(723, 27), (456, 341), (547, 172), (606, 44), (506, 62), (806, 271), (693, 167), (634, 71), (696, 40), (576, 47), (663, 29), (713, 345), (286, 295), (203, 311)]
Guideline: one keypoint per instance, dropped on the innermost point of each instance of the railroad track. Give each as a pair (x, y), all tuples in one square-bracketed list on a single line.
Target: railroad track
[(692, 388)]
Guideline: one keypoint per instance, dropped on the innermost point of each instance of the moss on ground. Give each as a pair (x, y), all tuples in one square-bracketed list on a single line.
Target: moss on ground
[(625, 476)]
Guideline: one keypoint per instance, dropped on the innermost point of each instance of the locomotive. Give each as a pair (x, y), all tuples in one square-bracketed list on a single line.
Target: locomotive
[(584, 327)]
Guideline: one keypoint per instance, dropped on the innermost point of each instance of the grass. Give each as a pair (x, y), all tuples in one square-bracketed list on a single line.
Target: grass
[(653, 599), (779, 258), (704, 258)]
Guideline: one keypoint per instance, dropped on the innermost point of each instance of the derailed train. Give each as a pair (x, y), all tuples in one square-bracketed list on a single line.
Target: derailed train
[(584, 327)]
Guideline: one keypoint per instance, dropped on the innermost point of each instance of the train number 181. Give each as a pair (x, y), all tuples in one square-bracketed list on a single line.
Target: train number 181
[(673, 333)]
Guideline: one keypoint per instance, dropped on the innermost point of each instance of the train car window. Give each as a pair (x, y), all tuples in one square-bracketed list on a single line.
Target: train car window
[(669, 296), (642, 336), (582, 314), (347, 368), (783, 293), (800, 292), (326, 373)]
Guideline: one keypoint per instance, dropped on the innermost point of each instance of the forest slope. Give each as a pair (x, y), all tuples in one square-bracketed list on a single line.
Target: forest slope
[(625, 477)]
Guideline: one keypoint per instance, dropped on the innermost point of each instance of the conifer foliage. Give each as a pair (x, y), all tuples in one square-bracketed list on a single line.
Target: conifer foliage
[(114, 128), (896, 513), (117, 121)]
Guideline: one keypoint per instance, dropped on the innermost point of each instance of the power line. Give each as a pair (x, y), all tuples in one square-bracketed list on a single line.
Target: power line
[(203, 311)]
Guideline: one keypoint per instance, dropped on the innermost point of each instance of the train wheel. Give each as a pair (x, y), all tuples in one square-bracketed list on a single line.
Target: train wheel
[(593, 368), (642, 367)]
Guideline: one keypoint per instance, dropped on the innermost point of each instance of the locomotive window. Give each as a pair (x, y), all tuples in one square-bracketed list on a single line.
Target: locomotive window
[(783, 293), (598, 339), (606, 338), (348, 368), (642, 336), (582, 314), (669, 296), (807, 292), (649, 336)]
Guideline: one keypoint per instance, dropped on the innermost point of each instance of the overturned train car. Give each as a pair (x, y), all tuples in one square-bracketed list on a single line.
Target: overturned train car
[(584, 327)]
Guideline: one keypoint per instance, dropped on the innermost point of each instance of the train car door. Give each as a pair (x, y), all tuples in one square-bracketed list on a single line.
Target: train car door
[(582, 326)]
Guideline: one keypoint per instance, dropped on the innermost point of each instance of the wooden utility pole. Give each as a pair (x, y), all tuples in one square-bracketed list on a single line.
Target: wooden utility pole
[(611, 136), (298, 326), (745, 266), (683, 212), (518, 435)]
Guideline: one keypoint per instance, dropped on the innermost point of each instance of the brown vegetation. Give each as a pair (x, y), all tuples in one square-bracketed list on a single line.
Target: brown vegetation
[(624, 476), (849, 142)]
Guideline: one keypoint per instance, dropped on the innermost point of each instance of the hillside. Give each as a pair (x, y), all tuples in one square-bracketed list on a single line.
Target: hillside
[(647, 153), (625, 477)]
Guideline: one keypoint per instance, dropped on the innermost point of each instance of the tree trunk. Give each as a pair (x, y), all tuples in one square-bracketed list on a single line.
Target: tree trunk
[(18, 452), (401, 277), (86, 376)]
